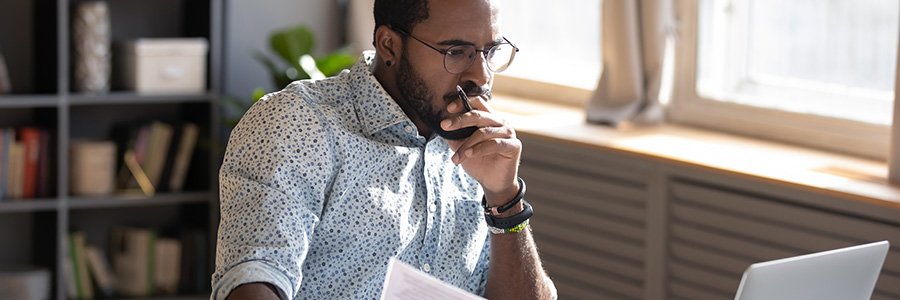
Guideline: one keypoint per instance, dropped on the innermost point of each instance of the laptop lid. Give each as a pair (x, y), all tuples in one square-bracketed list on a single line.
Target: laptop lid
[(841, 274)]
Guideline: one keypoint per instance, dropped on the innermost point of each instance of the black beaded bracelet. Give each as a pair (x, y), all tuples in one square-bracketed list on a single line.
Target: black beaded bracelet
[(497, 210)]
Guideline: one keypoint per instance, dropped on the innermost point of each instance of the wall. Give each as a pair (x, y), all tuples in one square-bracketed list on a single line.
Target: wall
[(248, 24)]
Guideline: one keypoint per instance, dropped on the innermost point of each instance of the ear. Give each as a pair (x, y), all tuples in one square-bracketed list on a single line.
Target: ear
[(388, 44)]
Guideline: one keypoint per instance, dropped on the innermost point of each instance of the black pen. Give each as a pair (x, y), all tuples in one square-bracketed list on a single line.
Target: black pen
[(464, 98)]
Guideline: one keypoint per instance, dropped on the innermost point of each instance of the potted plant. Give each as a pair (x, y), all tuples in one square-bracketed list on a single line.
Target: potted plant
[(293, 46)]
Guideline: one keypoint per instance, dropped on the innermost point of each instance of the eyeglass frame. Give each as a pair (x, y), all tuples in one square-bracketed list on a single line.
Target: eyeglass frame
[(483, 51)]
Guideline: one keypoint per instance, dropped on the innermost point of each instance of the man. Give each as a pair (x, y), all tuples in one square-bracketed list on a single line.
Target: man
[(325, 181)]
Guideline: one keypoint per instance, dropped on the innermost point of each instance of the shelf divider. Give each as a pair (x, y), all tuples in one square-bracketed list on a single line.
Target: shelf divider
[(135, 98), (127, 200)]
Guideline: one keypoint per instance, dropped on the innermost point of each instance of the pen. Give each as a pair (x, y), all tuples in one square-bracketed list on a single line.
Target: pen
[(464, 98)]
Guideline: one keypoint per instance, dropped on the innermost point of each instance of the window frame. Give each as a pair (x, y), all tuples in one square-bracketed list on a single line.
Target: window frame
[(689, 108), (541, 90)]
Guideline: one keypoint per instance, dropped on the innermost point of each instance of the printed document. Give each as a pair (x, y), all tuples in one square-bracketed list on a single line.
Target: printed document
[(404, 282)]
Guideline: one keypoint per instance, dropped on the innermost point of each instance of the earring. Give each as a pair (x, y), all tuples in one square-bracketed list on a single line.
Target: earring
[(388, 63)]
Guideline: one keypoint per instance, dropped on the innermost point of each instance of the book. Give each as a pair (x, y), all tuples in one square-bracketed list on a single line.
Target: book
[(140, 143), (31, 140), (133, 260), (100, 271), (168, 263), (16, 166), (126, 137), (150, 145), (44, 182), (182, 156), (4, 161), (157, 150), (69, 272), (194, 264), (80, 272)]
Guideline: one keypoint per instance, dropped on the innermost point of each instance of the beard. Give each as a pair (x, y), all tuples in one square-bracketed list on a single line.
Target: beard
[(419, 97)]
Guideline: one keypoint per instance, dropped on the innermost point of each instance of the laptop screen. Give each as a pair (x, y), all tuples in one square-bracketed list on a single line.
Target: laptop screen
[(841, 274)]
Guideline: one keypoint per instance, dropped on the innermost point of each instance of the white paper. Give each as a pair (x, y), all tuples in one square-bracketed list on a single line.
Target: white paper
[(404, 282)]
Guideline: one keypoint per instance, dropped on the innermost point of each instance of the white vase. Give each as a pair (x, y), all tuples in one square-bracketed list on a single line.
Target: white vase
[(91, 47)]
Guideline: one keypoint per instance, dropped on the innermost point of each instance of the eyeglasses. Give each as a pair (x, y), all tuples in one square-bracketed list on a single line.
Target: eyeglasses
[(458, 58)]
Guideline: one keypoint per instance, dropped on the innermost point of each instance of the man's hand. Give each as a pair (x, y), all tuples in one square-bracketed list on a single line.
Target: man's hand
[(491, 155)]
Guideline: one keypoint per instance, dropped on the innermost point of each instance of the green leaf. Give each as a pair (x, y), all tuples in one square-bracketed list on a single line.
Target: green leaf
[(266, 62), (292, 43), (333, 63), (279, 77), (309, 67)]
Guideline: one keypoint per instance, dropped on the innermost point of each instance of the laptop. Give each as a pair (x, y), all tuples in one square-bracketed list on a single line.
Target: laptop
[(841, 274)]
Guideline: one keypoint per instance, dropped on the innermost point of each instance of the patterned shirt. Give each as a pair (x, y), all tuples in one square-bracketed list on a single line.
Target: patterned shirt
[(325, 181)]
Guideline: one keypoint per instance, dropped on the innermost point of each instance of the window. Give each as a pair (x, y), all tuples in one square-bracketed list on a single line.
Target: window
[(560, 42), (813, 72)]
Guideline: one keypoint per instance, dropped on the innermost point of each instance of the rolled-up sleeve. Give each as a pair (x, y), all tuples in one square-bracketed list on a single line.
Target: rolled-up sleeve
[(271, 195)]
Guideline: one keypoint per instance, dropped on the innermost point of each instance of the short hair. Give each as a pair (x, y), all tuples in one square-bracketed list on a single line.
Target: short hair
[(402, 14)]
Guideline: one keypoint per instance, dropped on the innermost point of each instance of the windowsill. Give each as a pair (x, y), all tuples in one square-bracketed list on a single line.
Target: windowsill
[(802, 168)]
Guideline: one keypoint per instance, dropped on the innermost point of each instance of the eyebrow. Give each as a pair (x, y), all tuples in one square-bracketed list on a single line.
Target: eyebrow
[(455, 42)]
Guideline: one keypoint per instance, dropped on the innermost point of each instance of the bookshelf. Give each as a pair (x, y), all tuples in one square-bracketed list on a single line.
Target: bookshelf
[(38, 55)]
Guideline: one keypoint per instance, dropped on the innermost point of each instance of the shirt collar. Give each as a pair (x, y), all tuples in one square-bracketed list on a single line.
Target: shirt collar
[(375, 108)]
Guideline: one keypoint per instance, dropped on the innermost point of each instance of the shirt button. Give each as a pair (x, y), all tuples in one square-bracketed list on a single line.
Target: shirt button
[(426, 268), (408, 129), (432, 207)]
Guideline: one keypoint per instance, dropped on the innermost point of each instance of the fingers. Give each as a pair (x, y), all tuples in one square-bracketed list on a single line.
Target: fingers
[(477, 103), (475, 118), (494, 135), (489, 140)]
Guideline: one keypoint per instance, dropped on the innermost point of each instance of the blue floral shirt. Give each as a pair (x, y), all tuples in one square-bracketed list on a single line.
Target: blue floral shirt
[(325, 181)]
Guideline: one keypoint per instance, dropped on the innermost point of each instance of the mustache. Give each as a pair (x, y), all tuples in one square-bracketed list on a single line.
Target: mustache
[(471, 90)]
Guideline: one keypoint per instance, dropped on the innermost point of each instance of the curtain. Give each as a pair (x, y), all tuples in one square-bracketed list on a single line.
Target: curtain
[(894, 150), (634, 41), (360, 25)]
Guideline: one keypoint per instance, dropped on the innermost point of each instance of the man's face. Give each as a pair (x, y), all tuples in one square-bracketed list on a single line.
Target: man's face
[(421, 78)]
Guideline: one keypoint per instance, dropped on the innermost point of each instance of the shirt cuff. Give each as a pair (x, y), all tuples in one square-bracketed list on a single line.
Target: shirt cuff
[(253, 271)]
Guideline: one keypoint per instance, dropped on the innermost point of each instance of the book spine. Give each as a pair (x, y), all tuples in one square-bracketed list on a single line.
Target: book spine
[(151, 263), (85, 285), (158, 150), (42, 190), (14, 180), (4, 162), (31, 142), (183, 157), (76, 273), (69, 274), (101, 271)]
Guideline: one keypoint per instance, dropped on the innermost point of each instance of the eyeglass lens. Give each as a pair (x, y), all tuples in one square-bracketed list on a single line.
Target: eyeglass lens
[(458, 58)]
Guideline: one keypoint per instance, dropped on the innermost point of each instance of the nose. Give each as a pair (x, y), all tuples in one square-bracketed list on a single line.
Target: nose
[(478, 72)]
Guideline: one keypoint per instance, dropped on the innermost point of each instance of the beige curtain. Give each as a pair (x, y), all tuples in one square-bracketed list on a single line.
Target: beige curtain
[(894, 152), (360, 25), (634, 42)]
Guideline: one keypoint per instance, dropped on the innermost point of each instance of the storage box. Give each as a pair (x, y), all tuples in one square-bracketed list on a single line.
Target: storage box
[(168, 66)]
